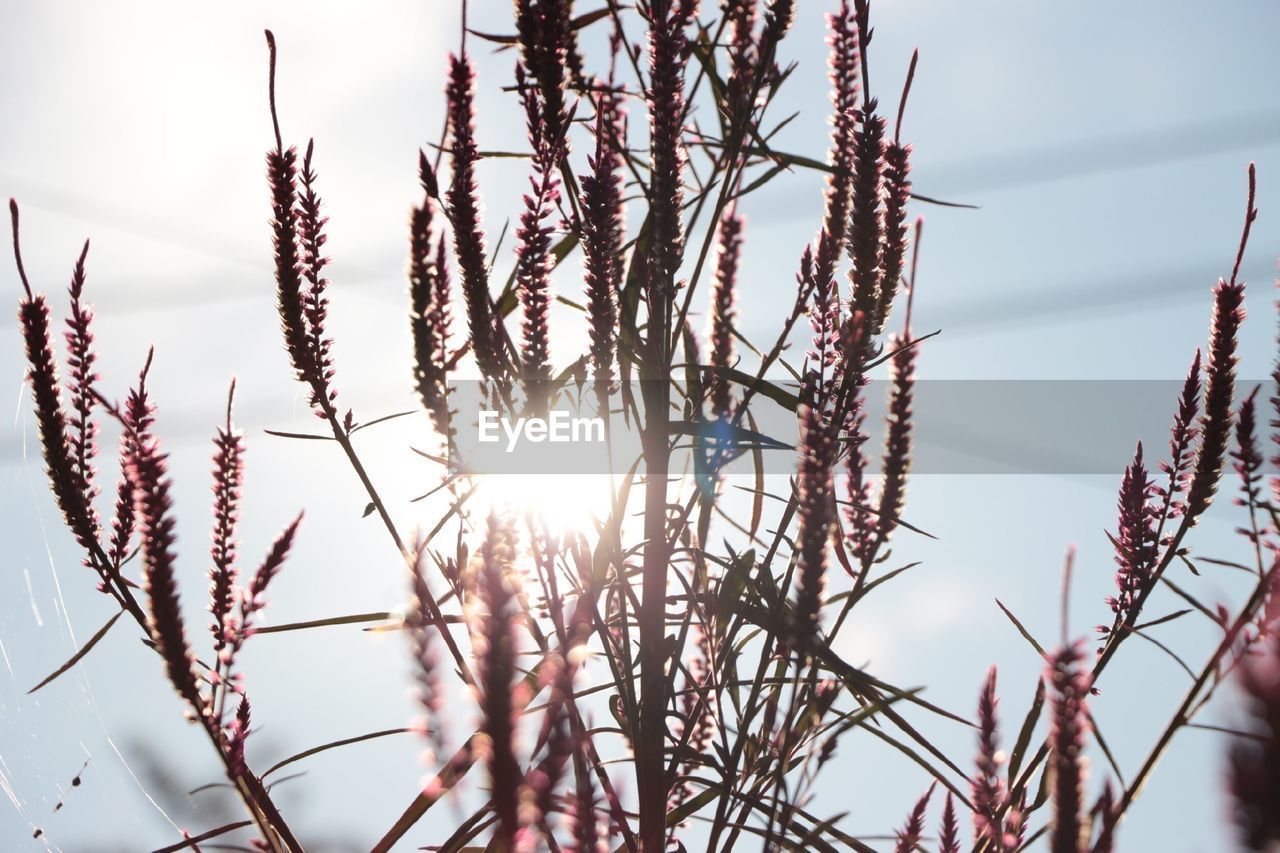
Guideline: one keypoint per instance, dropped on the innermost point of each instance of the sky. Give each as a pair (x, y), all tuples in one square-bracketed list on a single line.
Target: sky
[(1105, 148)]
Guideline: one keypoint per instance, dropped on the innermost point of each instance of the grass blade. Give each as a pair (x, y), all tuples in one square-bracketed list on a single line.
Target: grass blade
[(1026, 635), (204, 836), (324, 747), (80, 653)]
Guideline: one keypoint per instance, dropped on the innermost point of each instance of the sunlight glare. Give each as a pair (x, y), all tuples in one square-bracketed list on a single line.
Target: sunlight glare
[(565, 503)]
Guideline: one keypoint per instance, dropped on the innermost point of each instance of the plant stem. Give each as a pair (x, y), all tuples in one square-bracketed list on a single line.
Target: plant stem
[(343, 438), (1184, 713), (650, 772)]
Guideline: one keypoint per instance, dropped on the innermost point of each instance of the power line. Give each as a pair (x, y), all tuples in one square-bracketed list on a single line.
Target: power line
[(1084, 296), (1115, 152)]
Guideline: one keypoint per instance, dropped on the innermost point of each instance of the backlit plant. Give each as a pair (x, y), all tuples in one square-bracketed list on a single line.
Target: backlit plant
[(707, 637)]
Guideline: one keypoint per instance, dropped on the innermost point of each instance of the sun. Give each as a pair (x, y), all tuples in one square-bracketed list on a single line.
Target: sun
[(564, 503)]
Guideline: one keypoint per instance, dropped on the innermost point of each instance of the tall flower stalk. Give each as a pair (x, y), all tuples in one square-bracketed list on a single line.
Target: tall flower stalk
[(544, 28), (899, 422), (156, 526), (867, 221), (228, 479), (1069, 682), (724, 310), (1220, 370), (81, 359), (67, 451), (897, 191), (464, 212), (429, 299), (664, 98), (843, 74), (533, 246), (494, 632), (1135, 540), (988, 791), (602, 234), (816, 502)]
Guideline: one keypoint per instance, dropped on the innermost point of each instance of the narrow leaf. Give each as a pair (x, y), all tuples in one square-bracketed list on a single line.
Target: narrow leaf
[(324, 747), (352, 619), (204, 836), (81, 652), (1024, 735), (1026, 635)]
